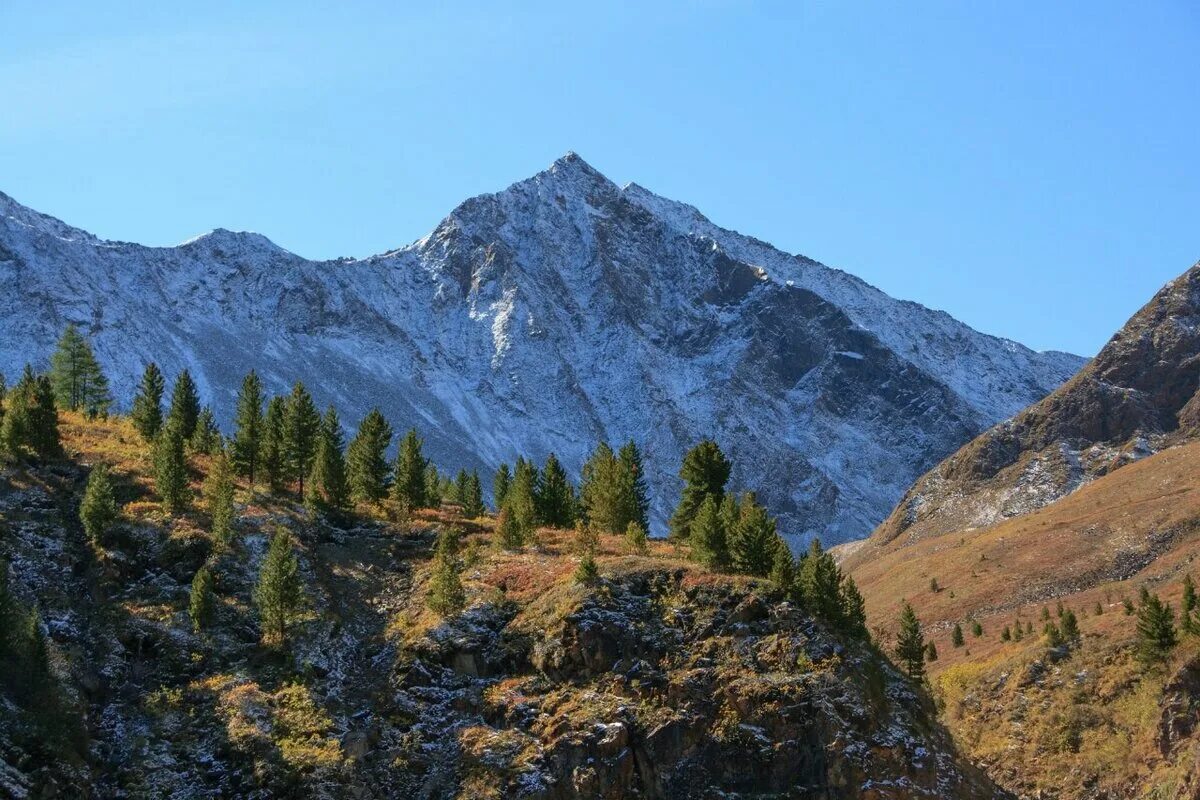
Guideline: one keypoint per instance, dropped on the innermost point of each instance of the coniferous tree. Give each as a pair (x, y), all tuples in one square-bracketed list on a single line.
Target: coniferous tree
[(273, 448), (752, 538), (554, 498), (635, 474), (185, 405), (218, 496), (508, 532), (473, 504), (10, 617), (436, 486), (461, 486), (15, 429), (170, 469), (328, 487), (301, 430), (956, 635), (206, 438), (1187, 611), (587, 573), (931, 653), (147, 413), (500, 485), (98, 511), (520, 501), (1005, 634), (37, 676), (976, 629), (42, 431), (201, 601), (79, 383), (278, 596), (366, 458), (409, 488), (446, 594), (248, 428), (607, 491), (636, 539), (854, 610), (708, 539), (1070, 627), (910, 643), (819, 582), (3, 395), (705, 472), (1155, 629), (783, 567)]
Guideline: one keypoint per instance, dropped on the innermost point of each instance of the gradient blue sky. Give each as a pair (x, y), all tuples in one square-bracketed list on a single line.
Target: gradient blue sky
[(1032, 168)]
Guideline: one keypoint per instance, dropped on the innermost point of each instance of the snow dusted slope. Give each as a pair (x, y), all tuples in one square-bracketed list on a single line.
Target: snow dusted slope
[(546, 317)]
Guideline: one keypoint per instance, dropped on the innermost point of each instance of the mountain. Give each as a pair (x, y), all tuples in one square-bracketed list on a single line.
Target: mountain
[(559, 312), (1140, 394)]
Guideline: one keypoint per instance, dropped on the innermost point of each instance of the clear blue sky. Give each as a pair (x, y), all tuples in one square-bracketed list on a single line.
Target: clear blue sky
[(1032, 168)]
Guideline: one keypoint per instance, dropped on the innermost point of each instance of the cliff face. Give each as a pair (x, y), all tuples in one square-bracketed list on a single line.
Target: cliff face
[(560, 312), (659, 681), (1136, 397)]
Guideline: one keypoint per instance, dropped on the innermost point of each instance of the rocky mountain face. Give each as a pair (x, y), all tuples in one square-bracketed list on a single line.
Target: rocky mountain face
[(562, 311), (660, 680), (1139, 395)]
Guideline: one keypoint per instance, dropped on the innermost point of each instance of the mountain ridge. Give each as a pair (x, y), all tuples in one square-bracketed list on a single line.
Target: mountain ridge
[(566, 309)]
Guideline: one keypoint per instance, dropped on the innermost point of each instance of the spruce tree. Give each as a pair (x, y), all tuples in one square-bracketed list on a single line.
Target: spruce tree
[(409, 488), (819, 581), (606, 491), (436, 486), (1155, 629), (185, 405), (854, 610), (752, 538), (783, 567), (554, 497), (446, 594), (201, 601), (705, 472), (79, 383), (98, 511), (910, 643), (218, 496), (366, 458), (170, 470), (461, 485), (278, 596), (147, 413), (248, 428), (636, 540), (520, 501), (329, 489), (708, 539), (635, 474), (273, 447), (301, 429), (500, 485), (473, 504), (956, 635), (206, 438)]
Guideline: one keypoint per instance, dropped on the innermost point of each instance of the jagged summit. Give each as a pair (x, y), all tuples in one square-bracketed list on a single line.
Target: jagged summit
[(546, 317)]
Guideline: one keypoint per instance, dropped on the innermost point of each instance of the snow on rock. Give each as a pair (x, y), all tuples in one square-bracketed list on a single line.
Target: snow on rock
[(546, 317)]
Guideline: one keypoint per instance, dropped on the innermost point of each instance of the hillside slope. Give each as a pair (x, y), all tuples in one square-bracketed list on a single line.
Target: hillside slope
[(1138, 395), (660, 680), (562, 311)]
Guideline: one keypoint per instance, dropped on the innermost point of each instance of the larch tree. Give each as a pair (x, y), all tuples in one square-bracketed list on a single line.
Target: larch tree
[(147, 412), (79, 383)]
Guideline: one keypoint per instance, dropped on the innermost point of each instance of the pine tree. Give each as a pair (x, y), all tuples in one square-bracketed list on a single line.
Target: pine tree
[(636, 540), (473, 504), (752, 538), (206, 438), (705, 472), (854, 610), (461, 486), (1187, 612), (554, 497), (607, 491), (147, 413), (437, 486), (185, 405), (1155, 629), (278, 596), (910, 643), (301, 428), (446, 594), (956, 635), (366, 458), (273, 448), (520, 501), (819, 581), (218, 496), (783, 567), (248, 428), (98, 511), (170, 469), (708, 536), (410, 485), (79, 383), (328, 487), (500, 485), (201, 601), (631, 460)]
